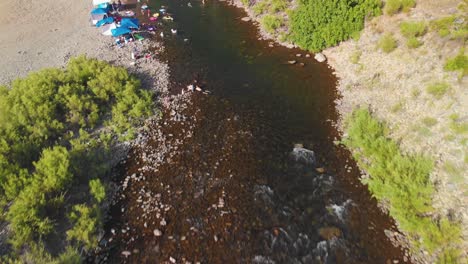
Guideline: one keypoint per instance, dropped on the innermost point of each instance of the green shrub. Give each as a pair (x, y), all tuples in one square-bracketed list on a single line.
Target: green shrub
[(278, 6), (87, 222), (246, 3), (429, 121), (260, 7), (406, 5), (387, 43), (355, 57), (413, 43), (443, 25), (438, 90), (458, 63), (316, 25), (459, 127), (412, 29), (45, 150), (97, 190), (394, 6), (270, 23), (402, 180)]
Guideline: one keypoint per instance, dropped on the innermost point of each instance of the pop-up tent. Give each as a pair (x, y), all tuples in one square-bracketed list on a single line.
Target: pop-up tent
[(104, 21), (107, 29), (129, 23), (98, 14), (98, 2), (99, 11), (104, 5), (120, 31)]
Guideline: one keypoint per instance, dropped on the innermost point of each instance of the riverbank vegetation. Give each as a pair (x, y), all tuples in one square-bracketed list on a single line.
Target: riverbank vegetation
[(401, 181), (316, 25), (56, 130)]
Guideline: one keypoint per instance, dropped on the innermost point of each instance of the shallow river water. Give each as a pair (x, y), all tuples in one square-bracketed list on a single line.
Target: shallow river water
[(261, 152)]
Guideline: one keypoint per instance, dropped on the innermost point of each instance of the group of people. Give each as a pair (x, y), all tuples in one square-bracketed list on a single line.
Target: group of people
[(117, 7)]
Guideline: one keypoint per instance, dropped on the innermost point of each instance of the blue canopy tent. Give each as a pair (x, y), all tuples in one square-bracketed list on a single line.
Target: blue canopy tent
[(99, 11), (129, 23), (120, 31), (104, 5), (98, 14), (104, 21)]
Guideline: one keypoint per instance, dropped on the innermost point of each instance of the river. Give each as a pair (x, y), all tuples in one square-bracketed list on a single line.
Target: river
[(248, 156)]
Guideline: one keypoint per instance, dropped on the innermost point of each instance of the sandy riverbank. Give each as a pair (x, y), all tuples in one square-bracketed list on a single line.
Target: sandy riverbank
[(39, 34)]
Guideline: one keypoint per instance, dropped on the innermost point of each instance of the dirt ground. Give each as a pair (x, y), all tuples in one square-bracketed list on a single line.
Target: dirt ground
[(38, 34)]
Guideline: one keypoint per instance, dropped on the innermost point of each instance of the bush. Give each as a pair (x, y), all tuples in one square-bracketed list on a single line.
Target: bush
[(97, 190), (403, 181), (87, 221), (429, 121), (316, 25), (413, 43), (270, 23), (412, 29), (443, 25), (246, 3), (394, 6), (278, 6), (438, 90), (387, 43), (458, 63), (260, 7), (355, 57), (44, 146)]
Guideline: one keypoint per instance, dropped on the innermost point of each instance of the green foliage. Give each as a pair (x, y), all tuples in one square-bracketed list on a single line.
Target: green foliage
[(459, 127), (412, 29), (438, 90), (28, 213), (394, 6), (397, 107), (316, 25), (270, 23), (429, 121), (355, 57), (97, 190), (443, 25), (402, 180), (260, 7), (413, 43), (454, 26), (49, 150), (246, 3), (277, 6), (387, 43), (87, 221), (458, 63)]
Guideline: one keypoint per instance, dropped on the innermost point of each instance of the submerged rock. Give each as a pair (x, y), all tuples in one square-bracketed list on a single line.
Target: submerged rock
[(329, 232), (303, 156)]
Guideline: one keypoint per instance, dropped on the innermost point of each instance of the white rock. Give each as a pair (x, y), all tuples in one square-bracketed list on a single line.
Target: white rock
[(157, 233), (320, 57)]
